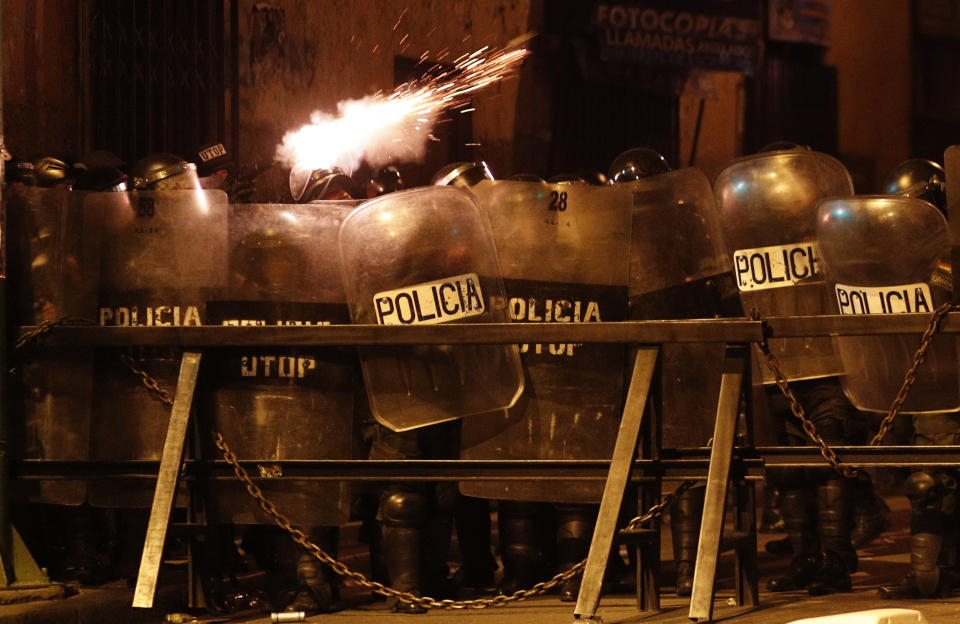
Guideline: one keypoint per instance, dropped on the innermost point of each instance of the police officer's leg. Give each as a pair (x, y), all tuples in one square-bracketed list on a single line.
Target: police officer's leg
[(402, 514), (838, 559), (869, 512), (829, 410), (519, 544), (438, 529), (685, 515), (574, 531), (403, 511), (316, 582), (933, 502), (473, 534), (797, 507)]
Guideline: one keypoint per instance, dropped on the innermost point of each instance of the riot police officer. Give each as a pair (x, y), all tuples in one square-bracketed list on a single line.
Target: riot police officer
[(932, 493), (767, 203)]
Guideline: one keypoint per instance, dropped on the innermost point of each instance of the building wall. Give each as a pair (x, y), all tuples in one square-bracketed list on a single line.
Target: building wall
[(41, 114), (870, 47), (297, 56), (300, 55)]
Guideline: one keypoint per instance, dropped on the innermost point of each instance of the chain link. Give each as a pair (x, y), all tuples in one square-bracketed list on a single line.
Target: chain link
[(660, 508), (33, 336), (151, 384), (342, 570), (936, 320), (321, 555), (798, 412)]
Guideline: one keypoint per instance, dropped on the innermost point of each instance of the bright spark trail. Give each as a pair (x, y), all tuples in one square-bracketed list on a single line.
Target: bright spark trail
[(396, 126)]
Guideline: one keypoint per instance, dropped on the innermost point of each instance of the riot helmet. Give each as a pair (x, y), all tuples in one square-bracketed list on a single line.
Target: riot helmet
[(462, 174), (920, 178), (526, 177), (637, 163), (164, 172), (102, 179), (321, 183), (566, 178), (53, 171), (212, 158), (387, 180)]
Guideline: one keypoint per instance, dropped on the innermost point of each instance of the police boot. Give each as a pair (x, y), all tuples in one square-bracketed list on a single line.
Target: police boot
[(473, 534), (574, 530), (316, 584), (869, 513), (834, 521), (933, 501), (797, 508), (685, 517), (402, 514), (519, 551)]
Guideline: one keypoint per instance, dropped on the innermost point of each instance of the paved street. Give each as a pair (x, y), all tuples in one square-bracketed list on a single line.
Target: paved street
[(883, 561)]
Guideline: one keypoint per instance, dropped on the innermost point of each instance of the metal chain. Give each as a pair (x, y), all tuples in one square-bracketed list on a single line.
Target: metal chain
[(936, 319), (908, 380), (33, 336), (338, 567), (797, 410), (151, 384), (342, 570), (660, 508)]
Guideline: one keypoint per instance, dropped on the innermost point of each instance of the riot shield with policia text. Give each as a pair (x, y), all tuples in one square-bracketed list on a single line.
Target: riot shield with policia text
[(52, 247), (679, 269), (163, 257), (277, 403), (767, 204), (427, 256), (564, 251), (889, 255)]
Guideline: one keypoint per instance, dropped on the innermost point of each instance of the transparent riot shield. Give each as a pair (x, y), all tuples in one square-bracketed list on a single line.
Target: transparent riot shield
[(427, 256), (52, 247), (163, 257), (284, 403), (767, 205), (887, 255), (679, 270), (564, 254)]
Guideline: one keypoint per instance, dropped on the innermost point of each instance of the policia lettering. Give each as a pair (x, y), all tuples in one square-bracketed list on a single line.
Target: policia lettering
[(151, 316), (778, 266), (902, 299), (430, 303), (532, 310)]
